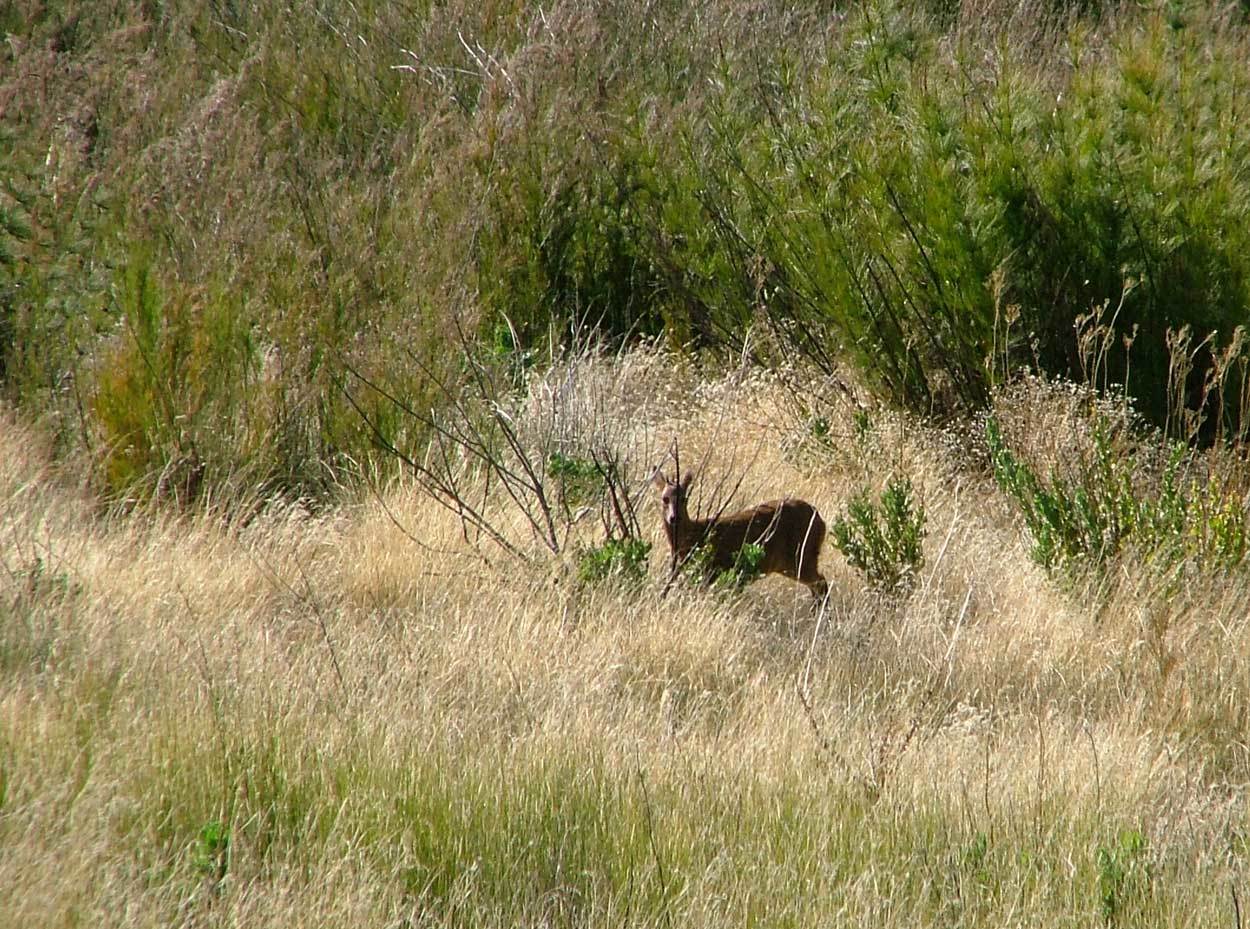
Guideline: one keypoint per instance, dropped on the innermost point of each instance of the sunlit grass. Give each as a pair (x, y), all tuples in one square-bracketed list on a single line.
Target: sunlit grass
[(356, 717)]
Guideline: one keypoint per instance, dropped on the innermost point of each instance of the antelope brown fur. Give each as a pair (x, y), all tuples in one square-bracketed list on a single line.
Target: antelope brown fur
[(790, 531)]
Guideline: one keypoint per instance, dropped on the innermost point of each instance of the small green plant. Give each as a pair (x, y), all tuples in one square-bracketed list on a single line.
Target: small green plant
[(579, 479), (976, 859), (820, 428), (884, 541), (1124, 874), (620, 559), (862, 424), (698, 564), (210, 854), (501, 344), (746, 567)]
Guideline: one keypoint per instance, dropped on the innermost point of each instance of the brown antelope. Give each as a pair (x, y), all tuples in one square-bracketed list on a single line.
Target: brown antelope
[(790, 532)]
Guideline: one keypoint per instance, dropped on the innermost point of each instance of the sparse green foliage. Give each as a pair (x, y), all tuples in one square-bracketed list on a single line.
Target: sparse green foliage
[(1124, 877), (700, 568), (178, 402), (1083, 519), (578, 478), (884, 541), (863, 426), (818, 429), (745, 569), (976, 859), (1070, 523), (616, 559), (210, 855), (698, 564)]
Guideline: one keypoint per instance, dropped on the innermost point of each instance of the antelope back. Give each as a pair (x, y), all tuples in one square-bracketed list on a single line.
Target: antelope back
[(790, 532)]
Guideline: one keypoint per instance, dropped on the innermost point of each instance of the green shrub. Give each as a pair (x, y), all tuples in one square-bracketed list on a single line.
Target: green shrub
[(577, 251), (210, 855), (745, 568), (1083, 520), (617, 559), (917, 220), (173, 402), (871, 192), (883, 541), (699, 568), (1071, 522), (578, 478)]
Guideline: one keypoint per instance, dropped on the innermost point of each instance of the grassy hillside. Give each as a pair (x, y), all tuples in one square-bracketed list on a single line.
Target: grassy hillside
[(368, 717), (339, 342)]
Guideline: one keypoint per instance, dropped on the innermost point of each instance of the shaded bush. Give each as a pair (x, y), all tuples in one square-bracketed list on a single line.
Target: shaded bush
[(923, 211)]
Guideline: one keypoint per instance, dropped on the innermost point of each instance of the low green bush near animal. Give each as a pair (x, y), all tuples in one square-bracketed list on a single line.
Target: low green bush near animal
[(883, 540)]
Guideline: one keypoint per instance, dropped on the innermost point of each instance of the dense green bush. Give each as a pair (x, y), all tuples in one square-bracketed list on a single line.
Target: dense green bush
[(939, 201), (936, 199)]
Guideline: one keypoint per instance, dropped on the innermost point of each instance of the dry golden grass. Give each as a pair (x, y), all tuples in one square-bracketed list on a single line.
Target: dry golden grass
[(396, 727)]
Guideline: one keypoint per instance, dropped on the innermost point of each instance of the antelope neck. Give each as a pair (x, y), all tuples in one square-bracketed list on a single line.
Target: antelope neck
[(684, 533)]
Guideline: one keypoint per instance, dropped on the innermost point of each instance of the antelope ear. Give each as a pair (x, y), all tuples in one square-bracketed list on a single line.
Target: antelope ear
[(658, 479), (686, 479)]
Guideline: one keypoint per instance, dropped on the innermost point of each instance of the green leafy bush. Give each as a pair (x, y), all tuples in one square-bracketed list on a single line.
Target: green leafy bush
[(883, 541), (907, 190), (700, 568), (922, 218), (616, 559), (578, 255), (745, 569), (579, 479), (1083, 519)]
